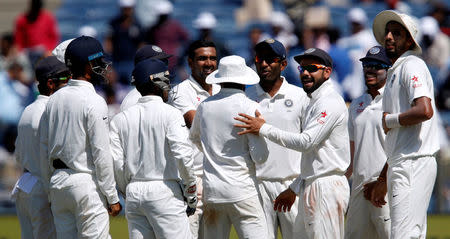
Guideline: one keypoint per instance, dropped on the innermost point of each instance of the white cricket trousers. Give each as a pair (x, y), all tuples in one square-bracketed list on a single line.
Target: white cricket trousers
[(196, 220), (322, 208), (364, 220), (246, 216), (156, 209), (34, 213), (410, 184), (79, 209), (269, 191)]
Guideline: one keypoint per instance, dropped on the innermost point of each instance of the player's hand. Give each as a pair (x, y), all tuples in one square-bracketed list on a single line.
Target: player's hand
[(284, 201), (375, 192), (385, 128), (190, 193), (251, 124), (114, 209), (349, 172), (190, 211)]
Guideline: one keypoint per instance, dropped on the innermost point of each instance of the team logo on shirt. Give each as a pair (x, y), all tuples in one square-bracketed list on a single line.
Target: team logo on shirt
[(321, 119), (415, 79), (288, 103), (198, 98)]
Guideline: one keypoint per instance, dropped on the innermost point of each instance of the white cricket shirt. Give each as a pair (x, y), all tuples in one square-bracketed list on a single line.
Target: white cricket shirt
[(324, 138), (149, 141), (409, 79), (229, 165), (284, 111), (366, 130), (187, 96), (74, 129), (130, 99), (27, 141)]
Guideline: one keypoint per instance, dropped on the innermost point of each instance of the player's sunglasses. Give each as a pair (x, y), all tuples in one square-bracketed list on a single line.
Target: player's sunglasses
[(311, 68), (267, 59), (376, 65)]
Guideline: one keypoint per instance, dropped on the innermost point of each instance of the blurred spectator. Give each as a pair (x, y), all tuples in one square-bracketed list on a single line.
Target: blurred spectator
[(435, 44), (123, 40), (205, 23), (283, 29), (167, 33), (356, 45), (146, 12), (253, 10), (342, 64), (255, 35), (87, 30), (10, 54), (36, 31), (316, 22), (441, 13)]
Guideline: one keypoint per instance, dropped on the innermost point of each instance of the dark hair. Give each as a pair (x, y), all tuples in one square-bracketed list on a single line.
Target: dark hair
[(33, 12), (198, 44)]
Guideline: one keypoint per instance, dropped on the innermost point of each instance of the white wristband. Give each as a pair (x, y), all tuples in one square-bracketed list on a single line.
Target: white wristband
[(392, 121)]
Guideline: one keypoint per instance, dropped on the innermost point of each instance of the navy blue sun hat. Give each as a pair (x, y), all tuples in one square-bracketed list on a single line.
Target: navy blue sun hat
[(82, 50), (49, 67), (277, 47), (148, 69), (378, 54)]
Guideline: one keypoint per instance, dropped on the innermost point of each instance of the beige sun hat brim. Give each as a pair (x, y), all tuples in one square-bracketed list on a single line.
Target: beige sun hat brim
[(248, 78), (380, 21)]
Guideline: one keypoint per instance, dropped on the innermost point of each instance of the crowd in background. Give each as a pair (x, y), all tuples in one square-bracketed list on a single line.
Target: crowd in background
[(302, 25)]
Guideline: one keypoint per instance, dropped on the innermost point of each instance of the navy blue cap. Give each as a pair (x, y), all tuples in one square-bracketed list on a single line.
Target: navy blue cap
[(82, 50), (150, 51), (274, 45), (144, 69), (49, 67), (315, 53), (377, 53)]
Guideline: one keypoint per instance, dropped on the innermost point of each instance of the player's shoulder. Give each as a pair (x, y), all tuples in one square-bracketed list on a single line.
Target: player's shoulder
[(357, 101), (413, 62)]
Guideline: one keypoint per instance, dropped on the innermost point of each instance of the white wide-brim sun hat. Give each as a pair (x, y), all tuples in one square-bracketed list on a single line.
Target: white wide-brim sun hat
[(380, 21), (232, 69)]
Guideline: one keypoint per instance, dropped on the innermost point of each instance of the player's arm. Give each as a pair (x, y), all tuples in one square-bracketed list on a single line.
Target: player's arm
[(98, 137), (118, 156), (44, 160), (189, 118), (420, 111), (349, 171)]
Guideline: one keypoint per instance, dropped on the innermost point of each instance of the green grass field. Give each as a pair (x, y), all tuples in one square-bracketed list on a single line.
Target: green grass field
[(438, 227)]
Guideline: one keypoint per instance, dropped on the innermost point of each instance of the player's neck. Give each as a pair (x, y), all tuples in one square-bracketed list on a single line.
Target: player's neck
[(271, 87)]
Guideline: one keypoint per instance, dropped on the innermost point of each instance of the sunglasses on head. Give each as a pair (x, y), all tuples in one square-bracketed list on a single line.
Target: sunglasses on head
[(267, 59), (310, 68), (376, 65)]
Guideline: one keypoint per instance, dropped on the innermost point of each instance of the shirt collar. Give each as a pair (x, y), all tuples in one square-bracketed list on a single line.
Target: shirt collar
[(149, 98), (282, 91), (197, 87), (230, 91), (73, 82), (321, 90), (402, 58), (42, 97)]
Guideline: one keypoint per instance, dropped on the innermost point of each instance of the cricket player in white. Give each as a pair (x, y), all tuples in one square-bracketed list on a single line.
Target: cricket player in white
[(187, 96), (364, 220), (324, 144), (75, 156), (143, 53), (150, 147), (230, 194), (409, 119), (33, 207), (282, 105)]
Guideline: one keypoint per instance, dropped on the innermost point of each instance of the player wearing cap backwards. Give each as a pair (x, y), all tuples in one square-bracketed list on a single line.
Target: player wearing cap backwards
[(33, 207), (282, 105), (151, 151), (410, 126), (230, 194), (324, 144), (366, 150), (143, 53), (75, 148), (186, 96)]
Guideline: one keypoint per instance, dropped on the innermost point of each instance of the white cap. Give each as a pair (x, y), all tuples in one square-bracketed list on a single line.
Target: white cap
[(60, 50), (281, 19), (127, 3), (357, 15), (205, 20), (232, 69), (164, 7), (380, 21), (87, 31), (429, 26)]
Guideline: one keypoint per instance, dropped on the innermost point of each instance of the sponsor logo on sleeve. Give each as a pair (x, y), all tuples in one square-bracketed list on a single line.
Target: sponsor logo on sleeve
[(416, 82), (322, 117)]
